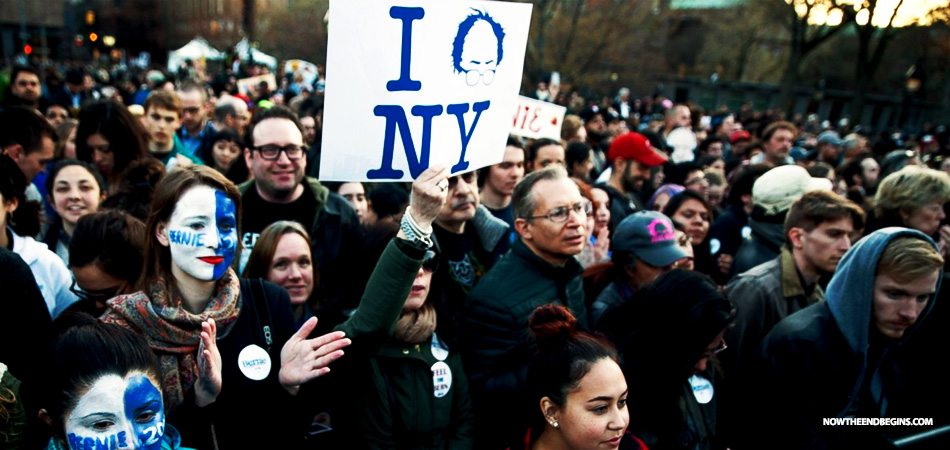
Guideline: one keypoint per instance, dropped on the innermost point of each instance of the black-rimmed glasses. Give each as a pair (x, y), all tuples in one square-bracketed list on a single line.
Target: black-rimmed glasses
[(560, 214), (430, 262), (272, 152)]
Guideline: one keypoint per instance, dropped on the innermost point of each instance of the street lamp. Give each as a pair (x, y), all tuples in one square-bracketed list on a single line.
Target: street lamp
[(912, 85)]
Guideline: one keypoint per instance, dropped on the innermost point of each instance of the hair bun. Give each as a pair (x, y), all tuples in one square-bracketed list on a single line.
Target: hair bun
[(552, 322)]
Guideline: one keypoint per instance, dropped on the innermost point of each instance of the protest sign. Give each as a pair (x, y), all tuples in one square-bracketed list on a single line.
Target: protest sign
[(417, 83), (536, 119), (304, 72), (249, 86)]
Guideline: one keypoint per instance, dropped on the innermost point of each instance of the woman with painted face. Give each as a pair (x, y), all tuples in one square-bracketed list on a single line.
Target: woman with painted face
[(75, 189), (578, 392), (411, 391), (230, 362), (106, 391)]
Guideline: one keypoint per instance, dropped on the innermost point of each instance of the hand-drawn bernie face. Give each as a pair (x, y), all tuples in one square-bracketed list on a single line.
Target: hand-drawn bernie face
[(202, 233), (477, 49), (118, 412)]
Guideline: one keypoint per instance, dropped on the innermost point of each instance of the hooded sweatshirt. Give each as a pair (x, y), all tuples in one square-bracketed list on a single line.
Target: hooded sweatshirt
[(828, 361)]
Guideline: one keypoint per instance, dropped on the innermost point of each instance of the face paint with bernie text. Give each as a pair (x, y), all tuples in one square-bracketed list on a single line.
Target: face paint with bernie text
[(202, 233), (118, 413)]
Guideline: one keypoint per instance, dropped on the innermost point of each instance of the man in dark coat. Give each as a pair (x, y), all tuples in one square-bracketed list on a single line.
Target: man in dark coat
[(540, 269), (840, 360)]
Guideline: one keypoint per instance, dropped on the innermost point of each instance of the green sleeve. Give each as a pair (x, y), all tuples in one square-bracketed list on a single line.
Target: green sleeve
[(385, 294)]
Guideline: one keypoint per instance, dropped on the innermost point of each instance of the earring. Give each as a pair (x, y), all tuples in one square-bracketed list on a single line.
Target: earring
[(554, 423)]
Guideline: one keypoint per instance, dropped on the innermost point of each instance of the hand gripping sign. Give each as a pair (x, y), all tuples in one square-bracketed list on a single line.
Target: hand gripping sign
[(417, 83)]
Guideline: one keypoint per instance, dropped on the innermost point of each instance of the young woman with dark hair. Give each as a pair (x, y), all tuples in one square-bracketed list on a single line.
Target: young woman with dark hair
[(110, 138), (75, 189), (223, 152), (579, 389), (693, 212), (101, 272), (668, 340)]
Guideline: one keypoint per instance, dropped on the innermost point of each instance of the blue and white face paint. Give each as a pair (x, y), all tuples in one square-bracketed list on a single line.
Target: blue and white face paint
[(202, 233), (118, 413)]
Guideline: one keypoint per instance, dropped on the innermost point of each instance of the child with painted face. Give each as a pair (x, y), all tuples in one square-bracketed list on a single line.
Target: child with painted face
[(105, 393), (224, 345)]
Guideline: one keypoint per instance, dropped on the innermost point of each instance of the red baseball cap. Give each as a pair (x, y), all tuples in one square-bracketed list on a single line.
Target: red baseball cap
[(635, 146), (739, 135)]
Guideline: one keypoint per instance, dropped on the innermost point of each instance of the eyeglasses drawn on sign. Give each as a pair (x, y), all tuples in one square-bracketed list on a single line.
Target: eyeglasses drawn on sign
[(478, 48)]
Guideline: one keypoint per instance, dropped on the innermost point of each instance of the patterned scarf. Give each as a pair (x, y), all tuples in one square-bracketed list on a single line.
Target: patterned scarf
[(172, 332), (415, 327)]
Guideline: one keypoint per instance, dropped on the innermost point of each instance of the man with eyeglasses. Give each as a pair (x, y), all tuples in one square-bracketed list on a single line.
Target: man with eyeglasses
[(643, 247), (470, 239), (541, 268), (195, 129), (279, 190)]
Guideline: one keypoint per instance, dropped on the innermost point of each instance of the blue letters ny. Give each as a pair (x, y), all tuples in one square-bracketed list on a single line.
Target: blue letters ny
[(396, 116)]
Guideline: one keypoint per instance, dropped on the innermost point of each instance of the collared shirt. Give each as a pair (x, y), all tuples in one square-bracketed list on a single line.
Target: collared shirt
[(192, 143), (792, 283)]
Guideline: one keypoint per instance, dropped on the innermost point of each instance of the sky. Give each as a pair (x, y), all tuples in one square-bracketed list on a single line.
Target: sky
[(910, 12)]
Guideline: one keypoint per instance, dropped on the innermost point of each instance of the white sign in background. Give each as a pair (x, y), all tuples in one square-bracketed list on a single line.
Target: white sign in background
[(412, 84), (535, 119)]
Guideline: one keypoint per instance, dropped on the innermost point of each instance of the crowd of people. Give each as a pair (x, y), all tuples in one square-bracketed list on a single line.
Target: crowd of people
[(175, 275)]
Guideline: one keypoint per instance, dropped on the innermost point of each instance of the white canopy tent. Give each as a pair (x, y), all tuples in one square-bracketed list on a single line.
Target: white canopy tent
[(241, 48), (195, 50)]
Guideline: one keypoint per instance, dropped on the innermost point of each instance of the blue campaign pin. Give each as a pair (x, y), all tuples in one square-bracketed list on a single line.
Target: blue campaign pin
[(702, 389), (441, 379), (439, 350)]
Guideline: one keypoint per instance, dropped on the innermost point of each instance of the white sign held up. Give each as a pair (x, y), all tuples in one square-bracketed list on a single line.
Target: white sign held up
[(535, 119), (412, 84)]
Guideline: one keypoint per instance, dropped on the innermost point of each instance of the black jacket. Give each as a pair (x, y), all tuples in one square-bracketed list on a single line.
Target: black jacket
[(497, 343), (764, 244), (336, 240), (249, 413), (621, 205), (829, 361), (386, 397)]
